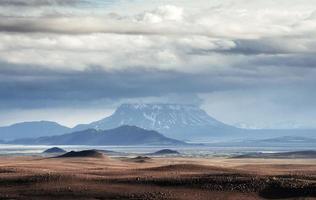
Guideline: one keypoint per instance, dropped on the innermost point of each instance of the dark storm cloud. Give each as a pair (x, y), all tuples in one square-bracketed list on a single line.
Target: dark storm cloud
[(291, 47), (291, 60), (259, 46), (26, 87), (86, 25), (273, 46), (36, 3)]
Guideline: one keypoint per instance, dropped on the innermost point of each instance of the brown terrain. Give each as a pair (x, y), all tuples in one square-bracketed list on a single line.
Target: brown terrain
[(101, 177)]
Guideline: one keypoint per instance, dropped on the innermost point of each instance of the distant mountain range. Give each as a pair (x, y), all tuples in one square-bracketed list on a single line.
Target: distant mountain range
[(32, 130), (181, 122), (123, 135)]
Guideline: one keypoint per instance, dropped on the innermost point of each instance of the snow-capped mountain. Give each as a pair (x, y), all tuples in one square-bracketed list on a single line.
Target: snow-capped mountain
[(173, 120)]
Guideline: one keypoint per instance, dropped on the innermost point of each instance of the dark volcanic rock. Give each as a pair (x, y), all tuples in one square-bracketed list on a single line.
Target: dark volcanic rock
[(165, 152), (54, 150), (85, 153), (140, 159)]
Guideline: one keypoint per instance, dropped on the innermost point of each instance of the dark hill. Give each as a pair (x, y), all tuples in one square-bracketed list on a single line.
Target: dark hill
[(85, 154), (54, 150), (165, 152), (140, 159)]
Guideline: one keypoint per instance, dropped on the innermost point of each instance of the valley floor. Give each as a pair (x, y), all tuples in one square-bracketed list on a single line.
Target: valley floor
[(156, 178)]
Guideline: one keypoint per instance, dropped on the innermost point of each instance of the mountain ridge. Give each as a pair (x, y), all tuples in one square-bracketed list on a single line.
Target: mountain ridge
[(123, 135), (33, 129)]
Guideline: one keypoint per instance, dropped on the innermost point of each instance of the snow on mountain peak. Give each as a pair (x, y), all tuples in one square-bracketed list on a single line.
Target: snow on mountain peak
[(160, 116)]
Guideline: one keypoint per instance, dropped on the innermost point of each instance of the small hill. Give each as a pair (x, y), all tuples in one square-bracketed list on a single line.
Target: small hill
[(285, 155), (54, 150), (165, 152), (82, 154), (140, 159)]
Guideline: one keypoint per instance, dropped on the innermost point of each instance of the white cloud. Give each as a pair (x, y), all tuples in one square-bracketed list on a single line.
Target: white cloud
[(110, 51), (163, 13)]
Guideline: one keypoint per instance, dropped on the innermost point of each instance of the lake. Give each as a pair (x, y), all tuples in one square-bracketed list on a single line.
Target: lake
[(187, 151)]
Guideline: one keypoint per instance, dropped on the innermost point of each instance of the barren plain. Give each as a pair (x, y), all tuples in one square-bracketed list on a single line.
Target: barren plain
[(156, 178)]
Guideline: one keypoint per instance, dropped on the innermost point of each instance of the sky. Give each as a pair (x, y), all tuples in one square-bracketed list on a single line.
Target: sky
[(249, 63)]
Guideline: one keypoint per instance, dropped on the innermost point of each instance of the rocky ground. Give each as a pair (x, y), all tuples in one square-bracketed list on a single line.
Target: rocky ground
[(155, 178)]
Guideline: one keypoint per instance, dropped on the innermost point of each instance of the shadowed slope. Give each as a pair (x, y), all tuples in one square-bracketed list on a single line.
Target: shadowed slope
[(54, 150), (83, 154)]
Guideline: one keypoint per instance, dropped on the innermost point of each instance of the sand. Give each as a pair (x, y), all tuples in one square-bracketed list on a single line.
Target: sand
[(156, 178)]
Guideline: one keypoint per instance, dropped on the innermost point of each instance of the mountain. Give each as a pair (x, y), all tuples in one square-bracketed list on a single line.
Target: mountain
[(32, 130), (182, 122), (185, 122), (123, 135)]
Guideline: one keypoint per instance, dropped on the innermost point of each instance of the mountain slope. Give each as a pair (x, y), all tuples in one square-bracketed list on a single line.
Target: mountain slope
[(124, 135), (32, 130), (174, 121)]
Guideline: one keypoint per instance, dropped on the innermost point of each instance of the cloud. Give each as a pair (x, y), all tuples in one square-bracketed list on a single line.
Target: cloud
[(168, 37), (90, 25), (38, 3), (273, 96), (163, 13), (275, 46), (27, 87), (165, 38), (172, 20), (112, 51), (21, 88)]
